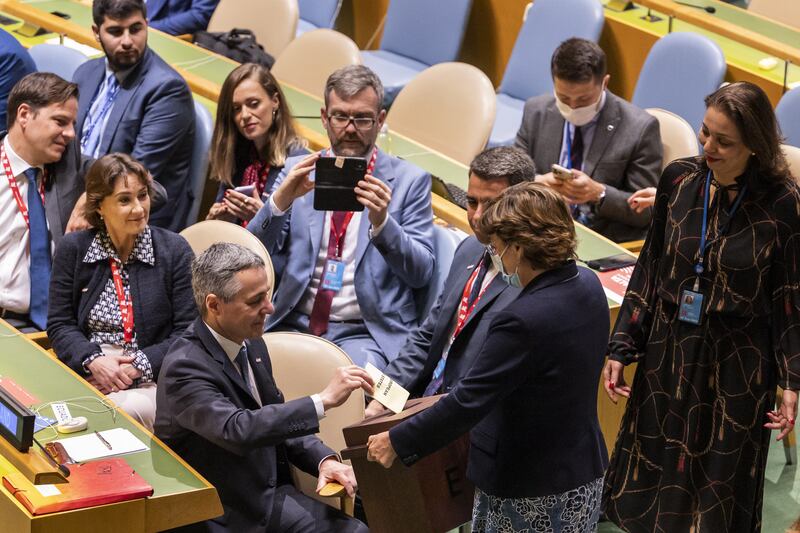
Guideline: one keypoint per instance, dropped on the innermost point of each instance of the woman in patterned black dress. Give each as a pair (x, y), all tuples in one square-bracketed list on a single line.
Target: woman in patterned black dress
[(692, 447)]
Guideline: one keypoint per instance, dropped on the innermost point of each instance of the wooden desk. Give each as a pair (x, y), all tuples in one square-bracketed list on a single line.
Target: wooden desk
[(181, 495)]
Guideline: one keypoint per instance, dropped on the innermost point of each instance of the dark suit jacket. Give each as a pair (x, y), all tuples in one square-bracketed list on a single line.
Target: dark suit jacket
[(530, 398), (180, 16), (413, 367), (152, 120), (163, 303), (625, 156), (206, 413)]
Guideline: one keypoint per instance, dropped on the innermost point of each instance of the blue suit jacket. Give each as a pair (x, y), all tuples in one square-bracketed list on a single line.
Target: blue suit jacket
[(530, 398), (180, 16), (388, 268), (206, 413), (15, 63), (413, 367), (153, 121)]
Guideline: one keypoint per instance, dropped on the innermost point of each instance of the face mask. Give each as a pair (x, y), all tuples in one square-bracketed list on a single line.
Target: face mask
[(513, 279), (582, 115)]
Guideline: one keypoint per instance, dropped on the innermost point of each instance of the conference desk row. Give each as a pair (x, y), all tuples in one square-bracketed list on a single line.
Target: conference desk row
[(180, 495), (177, 486)]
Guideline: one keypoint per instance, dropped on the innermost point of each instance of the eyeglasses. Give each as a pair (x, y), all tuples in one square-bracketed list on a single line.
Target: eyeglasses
[(342, 121)]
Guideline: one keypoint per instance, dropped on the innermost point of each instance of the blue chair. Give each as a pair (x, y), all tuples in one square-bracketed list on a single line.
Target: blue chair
[(315, 14), (417, 34), (445, 242), (547, 24), (198, 167), (57, 58), (788, 113), (679, 72)]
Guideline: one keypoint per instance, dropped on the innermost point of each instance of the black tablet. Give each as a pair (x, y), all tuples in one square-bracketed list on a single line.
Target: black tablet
[(335, 182)]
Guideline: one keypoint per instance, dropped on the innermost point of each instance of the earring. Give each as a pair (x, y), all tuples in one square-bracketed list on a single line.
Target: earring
[(274, 113)]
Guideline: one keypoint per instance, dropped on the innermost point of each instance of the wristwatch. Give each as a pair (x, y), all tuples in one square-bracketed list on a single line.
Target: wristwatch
[(600, 198)]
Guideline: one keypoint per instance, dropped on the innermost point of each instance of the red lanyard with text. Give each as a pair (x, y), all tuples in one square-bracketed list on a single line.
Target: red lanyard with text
[(125, 304), (337, 235), (12, 184), (463, 310)]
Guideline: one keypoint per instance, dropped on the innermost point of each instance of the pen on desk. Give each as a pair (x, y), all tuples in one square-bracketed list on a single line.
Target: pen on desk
[(103, 440)]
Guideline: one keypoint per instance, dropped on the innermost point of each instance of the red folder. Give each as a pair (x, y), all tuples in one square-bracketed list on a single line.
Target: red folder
[(89, 484)]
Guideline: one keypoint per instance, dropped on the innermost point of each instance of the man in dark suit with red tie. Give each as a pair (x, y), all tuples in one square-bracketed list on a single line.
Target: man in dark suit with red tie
[(219, 407), (440, 351)]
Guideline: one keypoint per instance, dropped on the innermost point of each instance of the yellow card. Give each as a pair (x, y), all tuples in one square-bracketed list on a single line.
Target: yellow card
[(387, 391)]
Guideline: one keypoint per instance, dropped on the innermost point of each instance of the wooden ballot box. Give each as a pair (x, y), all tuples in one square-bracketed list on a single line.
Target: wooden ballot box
[(432, 496)]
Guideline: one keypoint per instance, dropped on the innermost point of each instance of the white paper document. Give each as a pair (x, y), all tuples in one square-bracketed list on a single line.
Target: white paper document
[(387, 391), (90, 446)]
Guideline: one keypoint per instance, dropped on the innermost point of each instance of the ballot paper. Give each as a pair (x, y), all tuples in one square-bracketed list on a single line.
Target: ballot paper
[(90, 446), (387, 391)]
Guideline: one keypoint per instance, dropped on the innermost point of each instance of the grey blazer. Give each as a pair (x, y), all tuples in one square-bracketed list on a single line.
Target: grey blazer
[(625, 155)]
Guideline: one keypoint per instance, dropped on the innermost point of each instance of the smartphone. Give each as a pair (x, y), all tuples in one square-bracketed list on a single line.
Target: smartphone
[(247, 190), (335, 182), (612, 262), (561, 173)]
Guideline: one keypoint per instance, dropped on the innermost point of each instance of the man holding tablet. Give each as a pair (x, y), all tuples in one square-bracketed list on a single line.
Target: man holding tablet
[(350, 276)]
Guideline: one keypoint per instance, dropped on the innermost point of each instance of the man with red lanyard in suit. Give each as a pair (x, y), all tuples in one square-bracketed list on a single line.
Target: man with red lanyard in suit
[(41, 184), (350, 276), (439, 352)]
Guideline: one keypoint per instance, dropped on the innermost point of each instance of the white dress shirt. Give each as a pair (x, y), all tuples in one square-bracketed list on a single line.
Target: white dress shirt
[(15, 283)]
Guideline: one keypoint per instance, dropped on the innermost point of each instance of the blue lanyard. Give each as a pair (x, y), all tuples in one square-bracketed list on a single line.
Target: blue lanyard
[(698, 268)]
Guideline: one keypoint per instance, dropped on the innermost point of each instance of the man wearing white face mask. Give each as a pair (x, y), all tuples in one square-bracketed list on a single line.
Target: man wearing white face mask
[(610, 147)]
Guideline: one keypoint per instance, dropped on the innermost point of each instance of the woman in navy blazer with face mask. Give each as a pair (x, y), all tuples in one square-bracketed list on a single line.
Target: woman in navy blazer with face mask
[(529, 401)]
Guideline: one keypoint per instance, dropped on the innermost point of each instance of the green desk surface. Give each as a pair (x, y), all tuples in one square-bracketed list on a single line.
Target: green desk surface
[(735, 52), (48, 380)]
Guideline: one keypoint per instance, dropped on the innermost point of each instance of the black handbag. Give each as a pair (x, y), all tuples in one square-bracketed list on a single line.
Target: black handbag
[(237, 44)]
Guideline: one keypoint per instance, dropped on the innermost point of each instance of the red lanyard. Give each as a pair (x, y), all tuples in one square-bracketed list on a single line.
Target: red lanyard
[(338, 235), (125, 304), (463, 310), (12, 184)]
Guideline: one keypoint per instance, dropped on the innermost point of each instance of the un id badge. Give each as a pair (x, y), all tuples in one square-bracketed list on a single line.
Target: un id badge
[(691, 307), (333, 276)]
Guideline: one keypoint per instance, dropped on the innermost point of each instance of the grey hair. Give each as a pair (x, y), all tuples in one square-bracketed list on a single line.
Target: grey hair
[(503, 162), (350, 80), (214, 272)]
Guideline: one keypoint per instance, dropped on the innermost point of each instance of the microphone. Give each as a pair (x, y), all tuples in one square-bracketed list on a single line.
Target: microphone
[(707, 9)]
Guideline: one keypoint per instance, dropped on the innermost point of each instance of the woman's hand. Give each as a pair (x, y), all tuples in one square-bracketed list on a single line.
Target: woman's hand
[(783, 419), (613, 375), (380, 449), (242, 206), (642, 199), (108, 374), (219, 211)]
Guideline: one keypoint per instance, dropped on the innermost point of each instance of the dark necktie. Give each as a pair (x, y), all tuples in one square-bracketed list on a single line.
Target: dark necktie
[(244, 365), (576, 150), (321, 312), (40, 253)]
